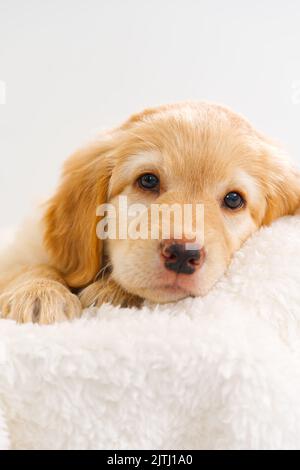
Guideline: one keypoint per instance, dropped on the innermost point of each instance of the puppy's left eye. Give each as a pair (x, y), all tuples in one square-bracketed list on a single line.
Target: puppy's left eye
[(233, 200), (148, 181)]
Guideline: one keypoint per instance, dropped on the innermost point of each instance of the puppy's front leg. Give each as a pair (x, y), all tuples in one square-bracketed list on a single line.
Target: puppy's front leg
[(37, 294)]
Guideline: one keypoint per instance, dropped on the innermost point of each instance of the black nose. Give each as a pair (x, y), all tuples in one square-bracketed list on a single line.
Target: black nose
[(180, 259)]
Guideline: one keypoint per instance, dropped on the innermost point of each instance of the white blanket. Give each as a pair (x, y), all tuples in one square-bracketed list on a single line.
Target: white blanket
[(212, 373)]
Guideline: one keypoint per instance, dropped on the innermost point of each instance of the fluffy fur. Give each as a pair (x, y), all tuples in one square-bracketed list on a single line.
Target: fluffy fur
[(219, 372), (200, 152)]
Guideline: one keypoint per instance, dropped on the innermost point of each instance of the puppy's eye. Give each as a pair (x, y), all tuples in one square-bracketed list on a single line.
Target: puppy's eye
[(149, 181), (233, 200)]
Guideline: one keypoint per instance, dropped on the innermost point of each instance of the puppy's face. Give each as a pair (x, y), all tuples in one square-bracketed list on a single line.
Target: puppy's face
[(168, 269), (187, 155)]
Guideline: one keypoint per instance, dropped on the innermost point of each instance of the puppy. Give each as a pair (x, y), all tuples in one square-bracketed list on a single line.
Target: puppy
[(187, 153)]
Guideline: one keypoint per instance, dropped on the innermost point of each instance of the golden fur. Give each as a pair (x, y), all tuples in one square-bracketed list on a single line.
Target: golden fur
[(200, 152)]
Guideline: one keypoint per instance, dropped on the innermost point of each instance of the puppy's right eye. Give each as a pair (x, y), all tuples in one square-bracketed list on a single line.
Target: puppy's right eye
[(233, 200), (148, 182)]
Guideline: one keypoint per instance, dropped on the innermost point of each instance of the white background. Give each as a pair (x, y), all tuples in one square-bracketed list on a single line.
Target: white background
[(71, 67)]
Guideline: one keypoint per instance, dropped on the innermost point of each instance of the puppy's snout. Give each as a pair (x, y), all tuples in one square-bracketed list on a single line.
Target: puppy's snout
[(182, 257)]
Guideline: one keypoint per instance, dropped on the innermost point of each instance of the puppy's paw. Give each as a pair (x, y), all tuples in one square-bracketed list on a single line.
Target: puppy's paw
[(40, 301), (108, 291)]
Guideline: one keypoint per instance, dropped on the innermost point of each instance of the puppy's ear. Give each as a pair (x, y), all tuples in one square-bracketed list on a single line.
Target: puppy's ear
[(70, 218), (281, 183)]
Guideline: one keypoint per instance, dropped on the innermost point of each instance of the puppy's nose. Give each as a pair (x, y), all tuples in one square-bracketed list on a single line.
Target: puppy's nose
[(181, 258)]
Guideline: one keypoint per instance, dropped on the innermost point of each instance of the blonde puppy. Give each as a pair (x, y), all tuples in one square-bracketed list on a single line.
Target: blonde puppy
[(181, 154)]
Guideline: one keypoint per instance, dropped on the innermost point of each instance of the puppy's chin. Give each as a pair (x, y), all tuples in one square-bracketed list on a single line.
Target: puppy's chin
[(167, 292), (163, 294), (166, 287)]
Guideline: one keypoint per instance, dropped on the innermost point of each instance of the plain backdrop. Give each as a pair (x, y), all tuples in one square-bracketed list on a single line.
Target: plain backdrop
[(71, 67)]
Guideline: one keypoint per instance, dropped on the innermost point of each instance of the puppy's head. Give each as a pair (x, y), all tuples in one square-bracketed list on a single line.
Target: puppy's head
[(184, 154)]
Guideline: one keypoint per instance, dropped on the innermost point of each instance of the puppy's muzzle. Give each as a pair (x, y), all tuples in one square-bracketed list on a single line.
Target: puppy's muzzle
[(180, 258)]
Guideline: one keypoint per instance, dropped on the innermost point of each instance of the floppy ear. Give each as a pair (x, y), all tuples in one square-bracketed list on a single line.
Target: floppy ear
[(70, 218), (282, 185)]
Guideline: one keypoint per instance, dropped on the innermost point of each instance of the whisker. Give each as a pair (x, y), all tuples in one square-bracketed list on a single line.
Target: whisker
[(101, 273)]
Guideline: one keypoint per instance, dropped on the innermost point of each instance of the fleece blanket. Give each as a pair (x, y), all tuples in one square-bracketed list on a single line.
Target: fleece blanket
[(221, 372)]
